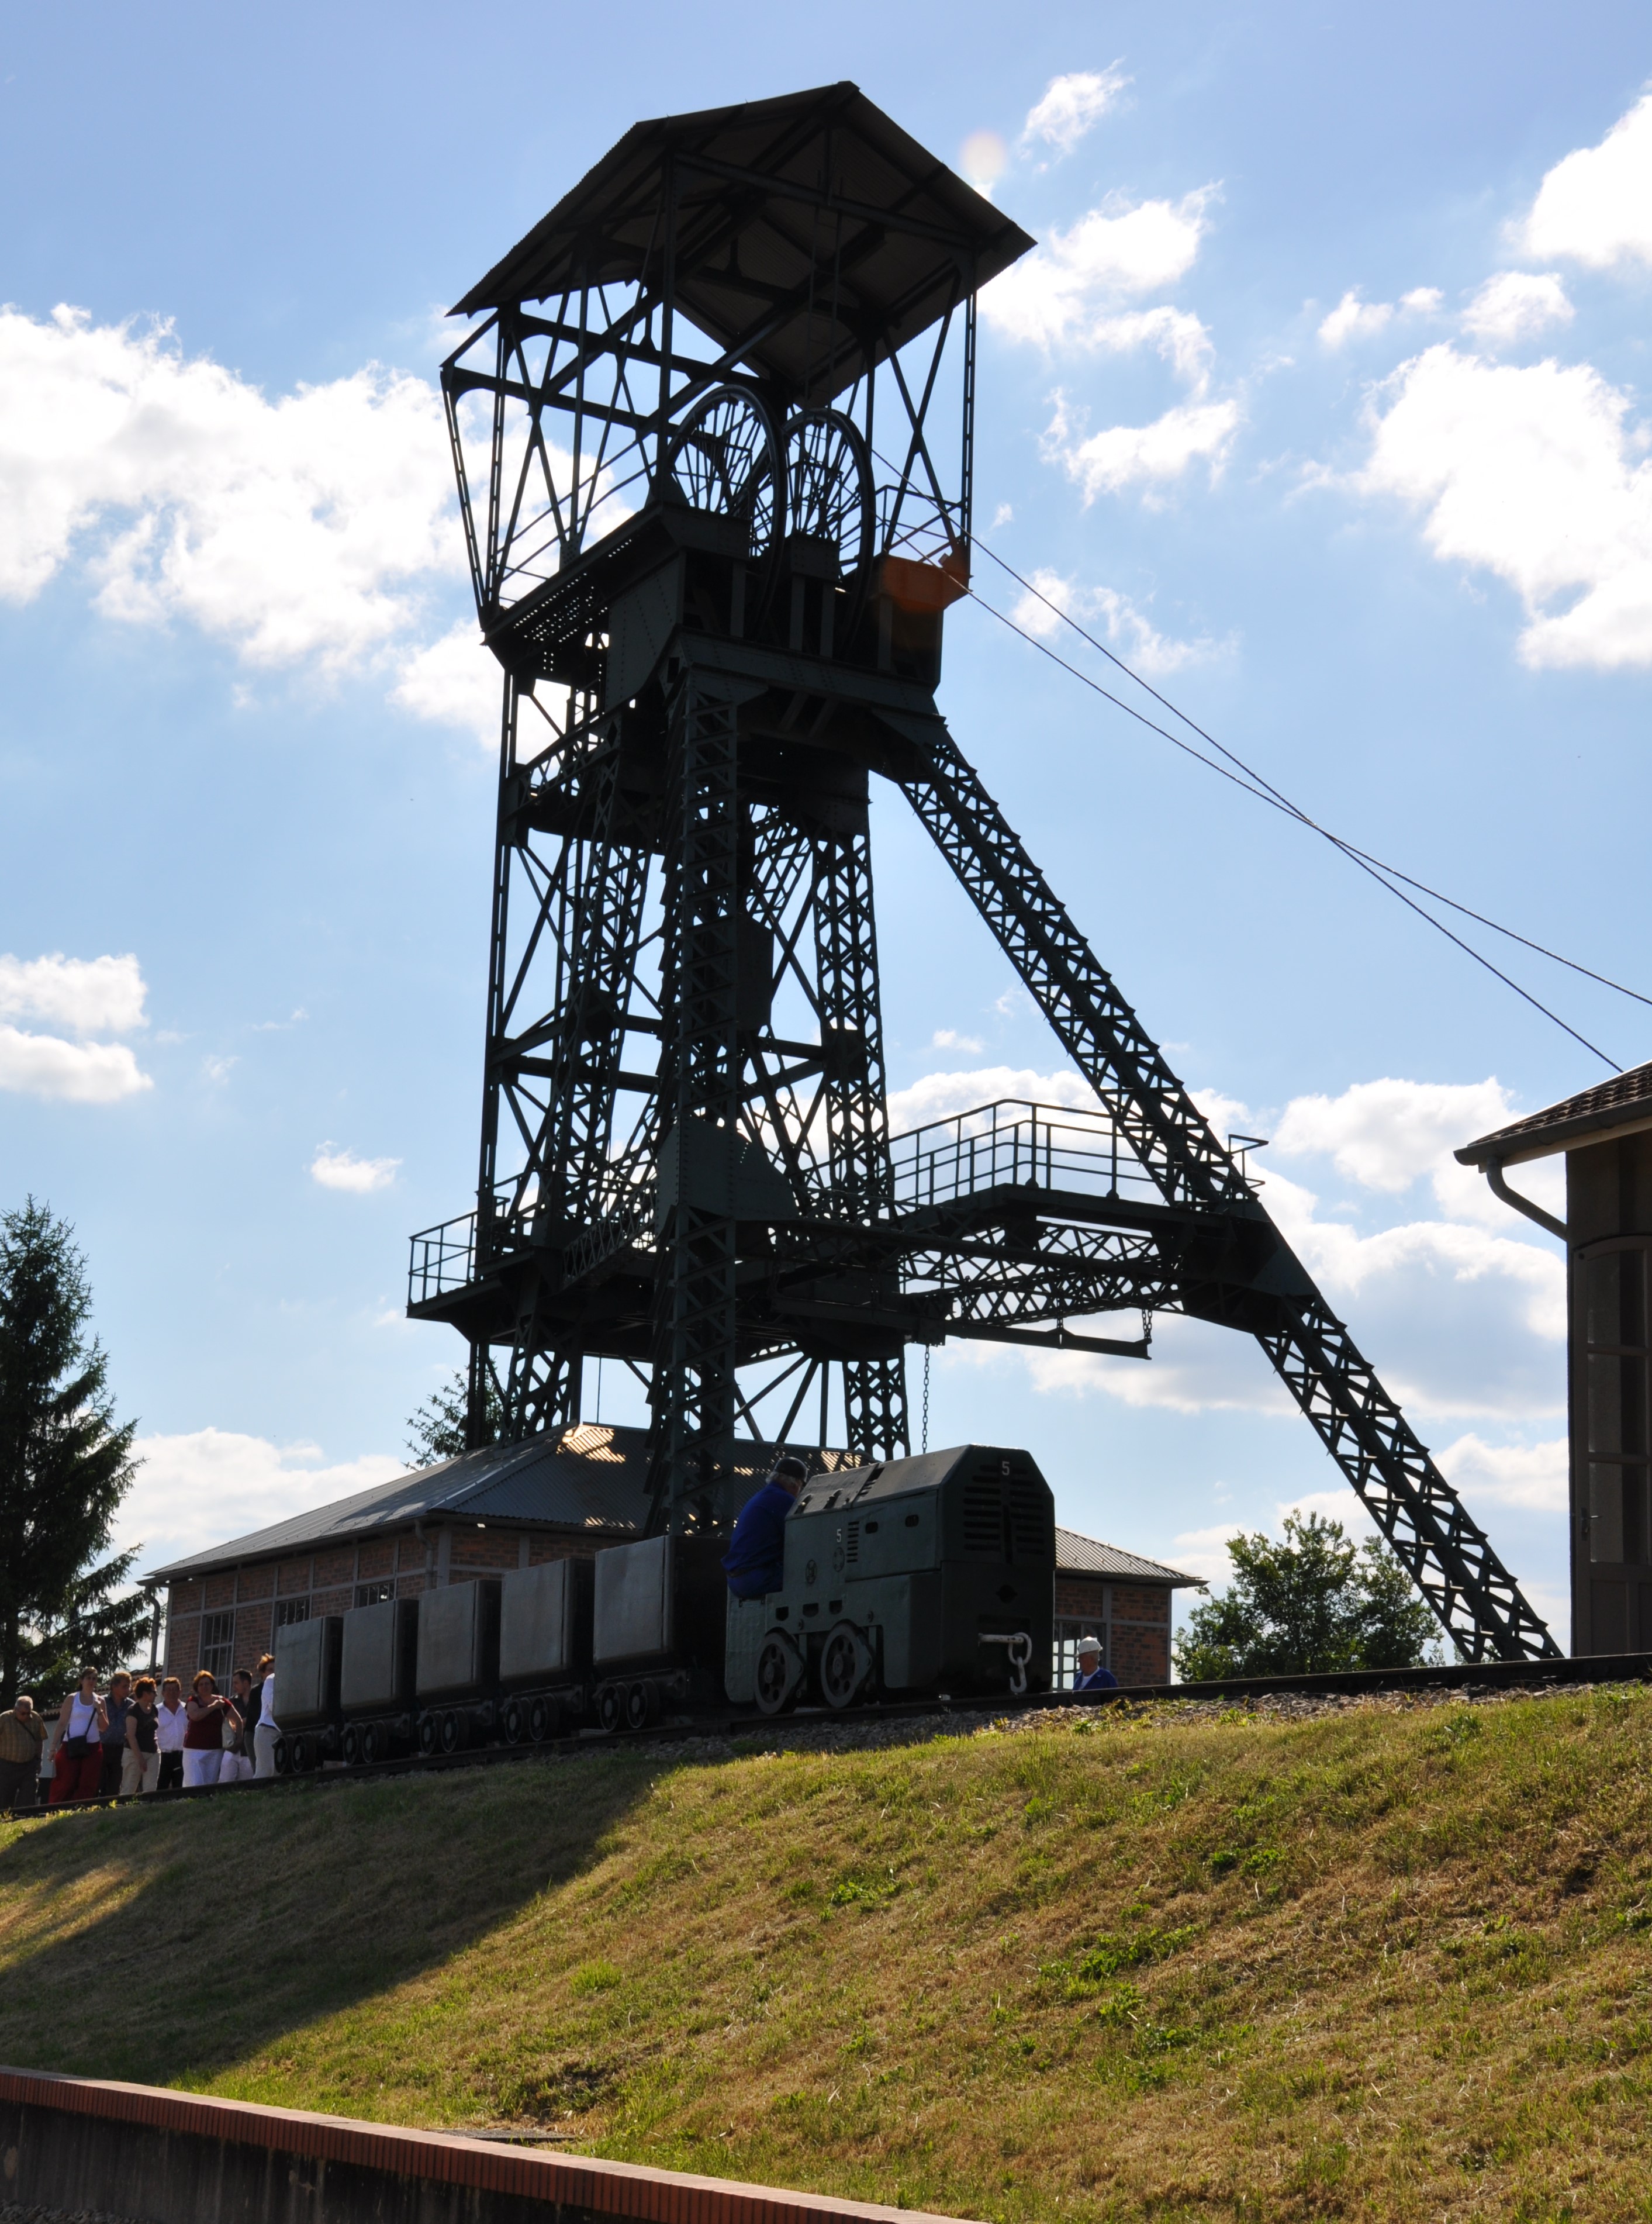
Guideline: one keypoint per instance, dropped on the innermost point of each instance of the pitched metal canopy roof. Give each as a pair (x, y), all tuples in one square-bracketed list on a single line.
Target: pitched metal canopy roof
[(1620, 1105), (1088, 1555), (813, 236)]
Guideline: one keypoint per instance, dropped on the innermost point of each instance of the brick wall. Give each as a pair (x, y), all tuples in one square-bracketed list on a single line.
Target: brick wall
[(1132, 1620), (1079, 1596), (327, 1581)]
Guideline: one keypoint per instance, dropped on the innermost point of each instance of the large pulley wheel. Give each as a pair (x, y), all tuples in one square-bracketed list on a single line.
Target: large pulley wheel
[(779, 1674), (725, 462), (829, 497)]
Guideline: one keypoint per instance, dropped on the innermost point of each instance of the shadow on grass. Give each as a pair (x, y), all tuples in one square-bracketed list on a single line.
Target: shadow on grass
[(163, 1944)]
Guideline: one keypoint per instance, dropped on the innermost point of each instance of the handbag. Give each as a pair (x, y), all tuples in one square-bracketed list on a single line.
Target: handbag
[(79, 1748)]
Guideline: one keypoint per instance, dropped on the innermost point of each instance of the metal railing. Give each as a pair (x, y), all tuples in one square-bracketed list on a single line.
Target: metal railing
[(1013, 1144), (444, 1258)]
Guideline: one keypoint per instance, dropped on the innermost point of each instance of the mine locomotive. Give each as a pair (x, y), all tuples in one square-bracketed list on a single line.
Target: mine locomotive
[(902, 1579)]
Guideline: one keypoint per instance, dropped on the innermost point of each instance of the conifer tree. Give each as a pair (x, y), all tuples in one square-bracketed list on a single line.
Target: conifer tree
[(437, 1428), (64, 1466)]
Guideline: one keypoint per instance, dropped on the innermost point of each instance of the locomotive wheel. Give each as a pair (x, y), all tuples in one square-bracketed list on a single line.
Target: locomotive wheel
[(726, 462), (541, 1722), (430, 1735), (451, 1732), (610, 1708), (843, 1665), (830, 493), (351, 1748), (373, 1743), (518, 1723), (779, 1674)]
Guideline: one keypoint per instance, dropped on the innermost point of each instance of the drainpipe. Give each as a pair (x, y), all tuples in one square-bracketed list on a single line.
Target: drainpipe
[(1493, 1172)]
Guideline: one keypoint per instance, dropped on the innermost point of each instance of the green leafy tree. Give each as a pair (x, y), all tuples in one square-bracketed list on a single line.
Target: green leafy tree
[(64, 1466), (437, 1429), (1314, 1603)]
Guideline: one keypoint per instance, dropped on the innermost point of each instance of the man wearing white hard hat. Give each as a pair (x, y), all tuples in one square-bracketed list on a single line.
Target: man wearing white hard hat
[(1092, 1675)]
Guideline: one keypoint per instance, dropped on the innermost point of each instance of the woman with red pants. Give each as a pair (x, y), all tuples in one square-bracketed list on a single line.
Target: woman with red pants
[(80, 1750)]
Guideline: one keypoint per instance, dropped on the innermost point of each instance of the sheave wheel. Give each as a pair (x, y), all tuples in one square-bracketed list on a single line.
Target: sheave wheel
[(726, 462)]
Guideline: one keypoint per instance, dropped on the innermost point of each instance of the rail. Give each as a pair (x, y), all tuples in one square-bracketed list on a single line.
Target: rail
[(443, 1258), (1013, 1144)]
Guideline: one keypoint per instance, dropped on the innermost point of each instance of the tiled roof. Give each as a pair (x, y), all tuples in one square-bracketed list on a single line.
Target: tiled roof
[(1625, 1101), (1087, 1556)]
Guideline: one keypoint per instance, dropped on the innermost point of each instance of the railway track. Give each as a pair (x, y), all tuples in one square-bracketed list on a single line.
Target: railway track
[(1474, 1679)]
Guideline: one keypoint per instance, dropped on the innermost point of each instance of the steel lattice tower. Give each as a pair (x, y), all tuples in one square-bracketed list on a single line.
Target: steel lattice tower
[(713, 427)]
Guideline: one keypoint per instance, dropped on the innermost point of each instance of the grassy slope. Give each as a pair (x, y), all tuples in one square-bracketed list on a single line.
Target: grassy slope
[(1378, 1964)]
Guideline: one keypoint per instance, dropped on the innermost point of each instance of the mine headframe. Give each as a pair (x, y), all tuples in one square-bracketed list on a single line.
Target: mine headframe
[(712, 428)]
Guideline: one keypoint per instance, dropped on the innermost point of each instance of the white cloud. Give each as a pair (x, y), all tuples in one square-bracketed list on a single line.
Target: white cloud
[(305, 529), (1532, 1476), (1533, 473), (947, 1038), (1065, 292), (88, 995), (1354, 319), (78, 1072), (1515, 304), (454, 681), (1387, 1134), (198, 1490), (1071, 106), (1124, 625), (344, 1170), (1142, 455), (1596, 207), (938, 1095)]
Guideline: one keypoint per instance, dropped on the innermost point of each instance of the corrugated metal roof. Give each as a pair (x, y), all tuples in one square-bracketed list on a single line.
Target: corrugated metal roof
[(1624, 1102), (590, 1476), (586, 1477), (1088, 1555)]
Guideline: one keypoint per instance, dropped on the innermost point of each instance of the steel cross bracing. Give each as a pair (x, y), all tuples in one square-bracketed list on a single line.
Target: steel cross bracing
[(717, 626)]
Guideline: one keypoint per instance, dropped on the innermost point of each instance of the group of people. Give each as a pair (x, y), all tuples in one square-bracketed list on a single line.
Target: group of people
[(139, 1736)]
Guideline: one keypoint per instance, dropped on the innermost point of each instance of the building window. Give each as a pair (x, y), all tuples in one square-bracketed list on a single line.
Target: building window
[(291, 1610), (1064, 1665), (374, 1594), (218, 1646)]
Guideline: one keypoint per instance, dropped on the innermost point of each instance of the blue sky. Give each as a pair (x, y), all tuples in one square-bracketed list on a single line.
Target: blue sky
[(1321, 401)]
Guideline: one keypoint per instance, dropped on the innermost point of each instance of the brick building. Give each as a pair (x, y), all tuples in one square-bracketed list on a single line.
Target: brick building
[(1103, 1591), (513, 1506)]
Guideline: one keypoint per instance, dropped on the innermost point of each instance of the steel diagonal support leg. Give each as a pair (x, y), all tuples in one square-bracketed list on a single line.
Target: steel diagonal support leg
[(695, 1340), (1476, 1600)]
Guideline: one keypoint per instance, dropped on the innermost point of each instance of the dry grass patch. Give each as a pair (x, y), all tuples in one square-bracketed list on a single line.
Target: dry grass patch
[(1392, 1963)]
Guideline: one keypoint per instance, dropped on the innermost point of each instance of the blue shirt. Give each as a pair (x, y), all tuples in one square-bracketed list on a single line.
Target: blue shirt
[(756, 1551), (1100, 1679)]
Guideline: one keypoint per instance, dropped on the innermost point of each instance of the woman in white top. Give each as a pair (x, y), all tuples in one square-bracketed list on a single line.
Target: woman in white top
[(265, 1732), (80, 1744)]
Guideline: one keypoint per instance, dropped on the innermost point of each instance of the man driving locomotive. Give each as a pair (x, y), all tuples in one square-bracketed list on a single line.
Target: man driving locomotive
[(756, 1554)]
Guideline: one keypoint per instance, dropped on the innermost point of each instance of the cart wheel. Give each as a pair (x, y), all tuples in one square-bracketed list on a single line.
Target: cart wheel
[(541, 1722), (283, 1758), (779, 1674), (518, 1722), (843, 1665), (373, 1743), (610, 1708), (430, 1735), (350, 1747), (638, 1711)]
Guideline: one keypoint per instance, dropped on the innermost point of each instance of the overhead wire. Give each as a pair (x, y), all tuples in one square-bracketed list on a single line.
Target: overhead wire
[(1245, 776)]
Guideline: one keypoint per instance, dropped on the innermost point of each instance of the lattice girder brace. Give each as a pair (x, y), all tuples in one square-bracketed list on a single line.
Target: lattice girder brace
[(1472, 1594), (696, 1330), (856, 1112)]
